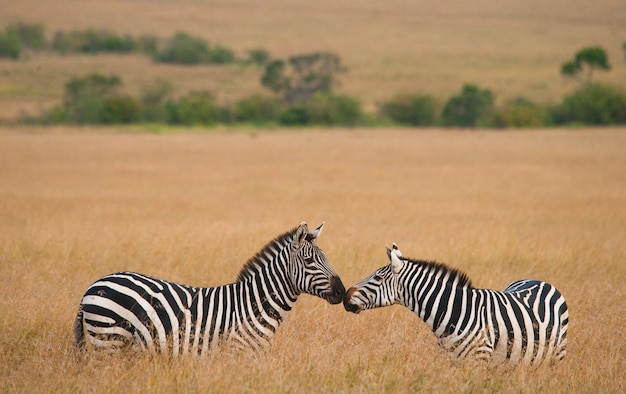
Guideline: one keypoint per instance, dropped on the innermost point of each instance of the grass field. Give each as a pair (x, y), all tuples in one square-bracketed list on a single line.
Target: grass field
[(513, 48), (76, 204)]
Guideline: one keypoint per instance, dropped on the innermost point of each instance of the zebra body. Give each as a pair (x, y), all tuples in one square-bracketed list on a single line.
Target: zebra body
[(127, 308), (525, 323)]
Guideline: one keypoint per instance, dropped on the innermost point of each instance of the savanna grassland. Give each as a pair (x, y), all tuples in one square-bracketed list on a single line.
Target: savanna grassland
[(510, 47), (76, 204), (193, 205)]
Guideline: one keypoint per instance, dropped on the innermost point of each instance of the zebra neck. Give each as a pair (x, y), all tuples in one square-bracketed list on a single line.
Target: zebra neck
[(265, 303), (439, 300), (267, 296)]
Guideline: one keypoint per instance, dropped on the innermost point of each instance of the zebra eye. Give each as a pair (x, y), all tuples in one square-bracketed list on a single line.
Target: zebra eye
[(377, 277), (309, 261)]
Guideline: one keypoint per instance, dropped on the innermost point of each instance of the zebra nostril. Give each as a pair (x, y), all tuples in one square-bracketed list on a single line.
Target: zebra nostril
[(337, 285), (337, 290)]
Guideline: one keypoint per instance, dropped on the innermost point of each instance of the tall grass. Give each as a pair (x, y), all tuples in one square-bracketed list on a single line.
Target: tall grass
[(80, 203)]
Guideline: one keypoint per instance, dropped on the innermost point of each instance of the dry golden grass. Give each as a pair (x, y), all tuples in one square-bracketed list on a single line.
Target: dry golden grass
[(76, 204), (511, 47)]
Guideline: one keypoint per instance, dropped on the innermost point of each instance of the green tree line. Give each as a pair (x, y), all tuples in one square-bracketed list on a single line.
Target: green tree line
[(300, 91)]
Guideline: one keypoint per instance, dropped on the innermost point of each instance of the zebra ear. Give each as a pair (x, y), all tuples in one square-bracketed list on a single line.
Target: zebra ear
[(313, 235), (394, 248), (301, 235), (396, 260)]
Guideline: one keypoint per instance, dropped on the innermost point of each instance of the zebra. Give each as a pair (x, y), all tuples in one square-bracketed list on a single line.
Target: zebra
[(128, 309), (526, 323)]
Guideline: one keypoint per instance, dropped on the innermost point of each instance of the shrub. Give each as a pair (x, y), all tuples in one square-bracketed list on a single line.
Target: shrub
[(594, 104), (295, 116), (195, 108), (185, 49), (84, 98), (221, 55), (10, 46), (92, 41), (259, 56), (31, 35), (256, 109), (120, 108), (334, 110), (153, 101), (62, 42), (115, 43), (414, 110), (522, 113), (56, 115), (148, 44), (473, 107)]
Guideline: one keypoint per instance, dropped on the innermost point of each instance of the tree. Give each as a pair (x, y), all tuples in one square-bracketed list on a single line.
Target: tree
[(411, 109), (84, 99), (10, 46), (473, 107), (585, 62), (258, 56), (185, 49), (303, 76), (31, 35)]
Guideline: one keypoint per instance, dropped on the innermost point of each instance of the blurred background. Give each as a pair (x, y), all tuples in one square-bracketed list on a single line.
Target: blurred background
[(395, 62)]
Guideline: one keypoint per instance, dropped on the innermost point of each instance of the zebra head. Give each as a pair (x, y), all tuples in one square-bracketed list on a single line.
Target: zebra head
[(310, 269), (378, 289)]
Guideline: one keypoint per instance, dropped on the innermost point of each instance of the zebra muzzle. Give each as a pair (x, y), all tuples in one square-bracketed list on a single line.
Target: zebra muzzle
[(338, 290), (347, 304)]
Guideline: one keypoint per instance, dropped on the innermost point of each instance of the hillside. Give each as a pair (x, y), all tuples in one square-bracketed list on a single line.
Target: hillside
[(509, 47)]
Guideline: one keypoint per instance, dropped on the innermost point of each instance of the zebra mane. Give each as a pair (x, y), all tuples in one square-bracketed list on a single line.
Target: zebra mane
[(263, 256), (454, 273)]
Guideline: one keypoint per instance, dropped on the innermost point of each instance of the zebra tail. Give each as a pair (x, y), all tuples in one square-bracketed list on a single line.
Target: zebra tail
[(79, 329)]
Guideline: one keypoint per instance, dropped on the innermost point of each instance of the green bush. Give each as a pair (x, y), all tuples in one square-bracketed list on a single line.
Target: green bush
[(593, 104), (89, 110), (185, 49), (194, 108), (84, 98), (331, 110), (324, 109), (221, 55), (153, 102), (256, 109), (10, 46), (414, 110), (148, 44), (56, 115), (92, 41), (115, 43), (62, 42), (295, 116), (259, 57), (522, 113), (473, 107), (31, 35), (120, 108)]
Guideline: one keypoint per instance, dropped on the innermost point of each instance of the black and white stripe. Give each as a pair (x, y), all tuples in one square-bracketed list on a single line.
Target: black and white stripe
[(131, 309), (527, 322)]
